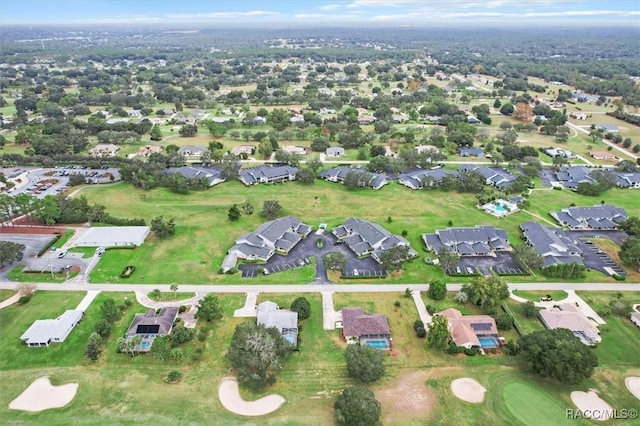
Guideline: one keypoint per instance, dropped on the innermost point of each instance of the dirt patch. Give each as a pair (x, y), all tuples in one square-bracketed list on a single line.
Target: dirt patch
[(407, 397), (468, 390), (590, 403), (633, 384)]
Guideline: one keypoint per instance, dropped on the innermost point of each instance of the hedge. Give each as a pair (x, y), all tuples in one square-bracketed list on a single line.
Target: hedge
[(46, 248)]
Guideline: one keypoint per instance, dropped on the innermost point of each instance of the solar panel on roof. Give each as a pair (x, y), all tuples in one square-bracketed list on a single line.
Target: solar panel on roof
[(481, 326), (148, 329)]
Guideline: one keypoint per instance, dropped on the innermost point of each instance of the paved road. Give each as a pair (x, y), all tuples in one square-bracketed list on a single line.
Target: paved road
[(314, 288)]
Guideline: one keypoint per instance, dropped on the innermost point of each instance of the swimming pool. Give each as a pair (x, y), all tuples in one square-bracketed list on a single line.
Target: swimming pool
[(500, 208), (145, 344), (378, 344), (488, 342)]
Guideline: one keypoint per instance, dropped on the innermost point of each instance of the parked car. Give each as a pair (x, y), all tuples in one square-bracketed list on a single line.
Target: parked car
[(100, 251), (62, 254)]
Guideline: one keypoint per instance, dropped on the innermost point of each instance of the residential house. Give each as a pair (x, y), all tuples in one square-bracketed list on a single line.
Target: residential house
[(334, 151), (243, 149), (366, 179), (473, 120), (628, 180), (608, 128), (259, 121), (481, 240), (365, 329), (551, 243), (150, 325), (494, 176), (366, 119), (572, 176), (192, 153), (602, 155), (598, 217), (471, 152), (297, 119), (364, 238), (44, 332), (279, 235), (567, 315), (472, 331), (147, 150), (211, 174), (539, 119), (423, 148), (292, 149), (104, 150), (284, 320), (559, 152), (267, 174), (419, 178), (325, 111)]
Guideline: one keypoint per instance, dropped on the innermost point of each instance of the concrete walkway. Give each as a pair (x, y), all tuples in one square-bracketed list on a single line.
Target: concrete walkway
[(422, 309), (84, 303), (572, 298), (249, 308), (188, 317), (10, 301), (329, 316)]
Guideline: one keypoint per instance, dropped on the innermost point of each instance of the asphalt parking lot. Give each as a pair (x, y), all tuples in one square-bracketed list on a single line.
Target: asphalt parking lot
[(502, 264), (48, 261), (41, 182)]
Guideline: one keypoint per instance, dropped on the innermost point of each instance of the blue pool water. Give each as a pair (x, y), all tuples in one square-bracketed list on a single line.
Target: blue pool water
[(145, 344), (488, 342), (378, 344), (499, 208)]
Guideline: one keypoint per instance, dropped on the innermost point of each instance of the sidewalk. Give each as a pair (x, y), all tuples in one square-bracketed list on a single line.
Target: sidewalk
[(249, 308), (10, 301), (422, 309)]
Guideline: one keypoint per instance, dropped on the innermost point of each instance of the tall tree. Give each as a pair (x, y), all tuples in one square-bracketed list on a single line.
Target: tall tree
[(364, 363), (209, 308), (558, 354), (486, 292), (438, 332), (302, 306), (10, 252), (271, 209), (357, 406), (437, 290)]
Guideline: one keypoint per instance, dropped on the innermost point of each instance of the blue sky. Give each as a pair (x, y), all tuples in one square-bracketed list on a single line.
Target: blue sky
[(303, 12)]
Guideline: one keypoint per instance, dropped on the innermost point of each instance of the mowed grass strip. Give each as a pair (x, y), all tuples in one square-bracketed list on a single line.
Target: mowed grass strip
[(531, 405)]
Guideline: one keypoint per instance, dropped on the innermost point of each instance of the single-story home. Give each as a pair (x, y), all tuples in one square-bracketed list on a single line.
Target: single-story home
[(481, 240), (609, 128), (192, 153), (292, 149), (471, 152), (597, 217), (104, 150), (334, 151), (366, 179), (243, 149), (602, 155), (147, 150), (43, 332), (551, 243), (211, 174), (150, 325), (284, 320), (472, 331), (567, 315), (267, 174), (366, 329)]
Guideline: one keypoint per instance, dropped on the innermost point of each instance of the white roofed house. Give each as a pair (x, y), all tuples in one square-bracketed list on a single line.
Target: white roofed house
[(567, 315), (104, 150), (44, 332), (334, 151)]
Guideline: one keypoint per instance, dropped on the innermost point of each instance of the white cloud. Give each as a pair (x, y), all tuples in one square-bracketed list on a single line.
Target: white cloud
[(326, 17), (381, 3), (330, 7)]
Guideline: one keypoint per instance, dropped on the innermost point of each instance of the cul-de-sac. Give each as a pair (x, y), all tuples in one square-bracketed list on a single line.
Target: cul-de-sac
[(226, 218)]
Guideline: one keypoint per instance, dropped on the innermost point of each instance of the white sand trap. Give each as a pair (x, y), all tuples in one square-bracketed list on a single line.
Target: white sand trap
[(230, 398), (42, 395), (633, 384), (468, 390), (592, 404)]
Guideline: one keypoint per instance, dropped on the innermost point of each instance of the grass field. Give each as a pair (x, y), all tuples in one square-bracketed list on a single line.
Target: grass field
[(535, 296), (195, 253)]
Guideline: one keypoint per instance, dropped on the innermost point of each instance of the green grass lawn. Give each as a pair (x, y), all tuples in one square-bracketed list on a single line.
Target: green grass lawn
[(17, 274), (535, 296), (531, 405), (169, 296)]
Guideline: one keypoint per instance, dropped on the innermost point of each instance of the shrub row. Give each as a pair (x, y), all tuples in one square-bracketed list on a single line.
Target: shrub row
[(48, 246)]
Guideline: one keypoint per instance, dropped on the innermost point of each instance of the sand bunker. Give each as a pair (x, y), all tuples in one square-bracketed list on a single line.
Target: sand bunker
[(592, 405), (468, 390), (230, 398), (633, 384), (42, 395)]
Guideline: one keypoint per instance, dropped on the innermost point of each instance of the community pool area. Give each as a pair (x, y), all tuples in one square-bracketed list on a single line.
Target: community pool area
[(489, 342), (500, 208), (378, 344)]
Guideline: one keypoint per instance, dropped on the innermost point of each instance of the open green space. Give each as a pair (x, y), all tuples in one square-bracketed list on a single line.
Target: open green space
[(530, 405), (17, 274), (169, 296), (534, 296)]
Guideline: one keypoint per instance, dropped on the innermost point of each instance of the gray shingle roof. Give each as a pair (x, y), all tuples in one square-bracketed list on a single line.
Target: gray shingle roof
[(280, 234), (266, 174), (551, 244), (356, 323), (477, 241), (600, 216), (150, 323)]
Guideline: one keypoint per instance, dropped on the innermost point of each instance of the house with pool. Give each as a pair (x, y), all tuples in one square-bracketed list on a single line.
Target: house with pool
[(150, 325), (472, 331), (366, 329)]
